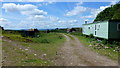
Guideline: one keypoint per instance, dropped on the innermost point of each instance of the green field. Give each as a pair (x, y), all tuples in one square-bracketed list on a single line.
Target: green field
[(27, 51)]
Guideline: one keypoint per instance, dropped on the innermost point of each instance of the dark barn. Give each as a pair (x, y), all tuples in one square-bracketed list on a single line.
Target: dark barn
[(71, 30), (30, 33)]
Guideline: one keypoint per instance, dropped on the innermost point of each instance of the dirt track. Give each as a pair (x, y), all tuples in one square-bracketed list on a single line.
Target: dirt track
[(73, 53)]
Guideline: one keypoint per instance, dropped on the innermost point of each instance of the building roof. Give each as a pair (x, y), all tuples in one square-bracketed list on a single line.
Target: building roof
[(32, 30), (116, 20)]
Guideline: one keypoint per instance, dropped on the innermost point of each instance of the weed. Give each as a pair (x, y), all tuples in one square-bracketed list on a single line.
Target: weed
[(91, 36), (30, 60), (104, 42), (44, 41), (60, 37)]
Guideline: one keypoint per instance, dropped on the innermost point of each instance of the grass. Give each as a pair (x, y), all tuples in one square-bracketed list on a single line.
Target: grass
[(91, 41), (47, 43), (19, 57), (69, 36)]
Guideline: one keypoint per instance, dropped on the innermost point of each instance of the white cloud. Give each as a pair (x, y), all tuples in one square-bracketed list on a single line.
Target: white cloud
[(113, 2), (40, 17), (24, 0), (35, 0), (36, 17), (54, 19), (90, 16), (27, 9), (67, 22), (39, 21), (34, 12), (3, 20), (80, 3), (86, 19), (95, 12), (33, 15), (72, 21), (10, 7), (57, 0), (45, 4), (61, 21), (77, 10), (102, 8)]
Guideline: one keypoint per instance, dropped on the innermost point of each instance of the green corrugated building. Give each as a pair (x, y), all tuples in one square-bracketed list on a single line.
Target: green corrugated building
[(109, 29)]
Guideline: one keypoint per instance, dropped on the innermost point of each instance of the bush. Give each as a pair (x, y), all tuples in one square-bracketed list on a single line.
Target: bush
[(77, 33), (30, 60), (91, 36), (60, 37), (116, 43), (45, 41), (104, 42)]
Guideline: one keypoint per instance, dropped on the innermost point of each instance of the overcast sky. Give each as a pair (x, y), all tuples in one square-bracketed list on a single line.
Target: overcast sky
[(48, 15)]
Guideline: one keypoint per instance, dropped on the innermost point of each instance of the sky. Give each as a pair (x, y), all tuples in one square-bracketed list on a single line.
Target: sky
[(49, 15)]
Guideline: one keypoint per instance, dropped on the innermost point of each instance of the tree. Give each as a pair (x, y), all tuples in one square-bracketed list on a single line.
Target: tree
[(109, 13)]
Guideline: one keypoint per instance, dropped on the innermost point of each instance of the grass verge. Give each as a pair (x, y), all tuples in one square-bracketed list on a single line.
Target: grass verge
[(93, 45)]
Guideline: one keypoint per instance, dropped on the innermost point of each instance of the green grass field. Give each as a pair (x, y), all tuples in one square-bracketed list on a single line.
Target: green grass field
[(43, 49), (103, 51)]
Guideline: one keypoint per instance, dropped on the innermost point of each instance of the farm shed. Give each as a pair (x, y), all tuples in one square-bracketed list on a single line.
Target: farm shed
[(71, 30), (109, 29), (30, 32)]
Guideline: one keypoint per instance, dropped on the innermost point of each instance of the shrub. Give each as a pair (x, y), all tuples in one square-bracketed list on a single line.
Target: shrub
[(116, 43), (60, 37), (30, 60), (44, 41), (91, 36), (104, 42)]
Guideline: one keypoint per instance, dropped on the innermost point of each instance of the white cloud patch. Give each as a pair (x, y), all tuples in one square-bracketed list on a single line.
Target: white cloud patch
[(90, 16), (36, 17), (58, 0), (40, 17), (68, 21), (77, 10), (3, 20), (27, 9), (95, 12), (1, 0), (45, 4), (113, 2), (80, 3), (34, 0), (23, 0), (54, 19), (10, 7), (61, 21), (72, 21), (34, 12)]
